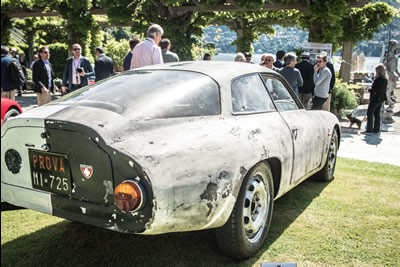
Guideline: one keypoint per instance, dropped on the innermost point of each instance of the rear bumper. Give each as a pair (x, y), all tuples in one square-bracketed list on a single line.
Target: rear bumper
[(28, 198), (104, 216)]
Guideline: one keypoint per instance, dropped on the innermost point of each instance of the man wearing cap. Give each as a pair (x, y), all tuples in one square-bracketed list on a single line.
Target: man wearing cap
[(307, 72), (247, 55)]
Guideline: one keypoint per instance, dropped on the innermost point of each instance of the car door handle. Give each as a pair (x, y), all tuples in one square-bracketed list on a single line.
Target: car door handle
[(294, 132)]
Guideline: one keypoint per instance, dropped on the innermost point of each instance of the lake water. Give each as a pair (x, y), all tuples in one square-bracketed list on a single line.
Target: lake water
[(369, 66)]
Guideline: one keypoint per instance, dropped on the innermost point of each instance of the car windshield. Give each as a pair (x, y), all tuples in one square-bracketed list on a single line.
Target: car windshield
[(152, 94)]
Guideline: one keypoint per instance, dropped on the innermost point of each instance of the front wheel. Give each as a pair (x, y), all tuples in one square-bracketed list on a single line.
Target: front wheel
[(244, 233), (326, 173)]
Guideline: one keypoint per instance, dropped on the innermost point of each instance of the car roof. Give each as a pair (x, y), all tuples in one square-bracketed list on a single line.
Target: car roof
[(221, 71)]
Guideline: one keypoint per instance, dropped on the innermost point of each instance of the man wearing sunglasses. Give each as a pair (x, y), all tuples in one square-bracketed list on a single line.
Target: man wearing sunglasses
[(322, 79), (77, 70), (43, 77)]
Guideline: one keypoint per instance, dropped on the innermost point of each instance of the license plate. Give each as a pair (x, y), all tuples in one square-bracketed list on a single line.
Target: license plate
[(50, 172)]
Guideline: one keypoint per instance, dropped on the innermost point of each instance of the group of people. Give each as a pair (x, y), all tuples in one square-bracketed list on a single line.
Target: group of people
[(77, 72), (309, 81), (312, 83)]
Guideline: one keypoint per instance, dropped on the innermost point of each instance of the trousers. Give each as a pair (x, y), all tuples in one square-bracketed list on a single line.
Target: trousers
[(318, 102), (374, 117)]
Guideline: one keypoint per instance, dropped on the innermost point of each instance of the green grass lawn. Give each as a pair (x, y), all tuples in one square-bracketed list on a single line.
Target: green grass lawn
[(354, 220)]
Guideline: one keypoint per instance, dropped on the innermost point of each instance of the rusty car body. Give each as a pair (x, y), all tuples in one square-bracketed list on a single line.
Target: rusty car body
[(170, 148)]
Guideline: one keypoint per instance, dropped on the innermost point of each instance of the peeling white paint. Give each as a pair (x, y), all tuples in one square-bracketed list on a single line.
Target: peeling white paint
[(182, 156), (109, 190)]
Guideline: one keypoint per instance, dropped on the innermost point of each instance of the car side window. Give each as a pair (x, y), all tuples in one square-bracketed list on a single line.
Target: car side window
[(249, 95), (280, 94)]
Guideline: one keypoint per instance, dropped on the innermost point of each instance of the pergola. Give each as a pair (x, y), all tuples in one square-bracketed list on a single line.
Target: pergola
[(229, 6)]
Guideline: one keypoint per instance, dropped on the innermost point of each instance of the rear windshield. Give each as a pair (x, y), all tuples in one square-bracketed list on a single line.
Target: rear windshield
[(152, 94)]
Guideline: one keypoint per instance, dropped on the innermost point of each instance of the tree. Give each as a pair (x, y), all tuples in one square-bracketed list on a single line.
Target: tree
[(250, 25)]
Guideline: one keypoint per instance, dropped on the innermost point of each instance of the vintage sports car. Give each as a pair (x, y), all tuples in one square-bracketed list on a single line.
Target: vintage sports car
[(9, 109), (170, 148)]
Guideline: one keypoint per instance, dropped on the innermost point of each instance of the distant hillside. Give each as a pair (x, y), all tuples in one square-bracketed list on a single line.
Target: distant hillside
[(291, 37)]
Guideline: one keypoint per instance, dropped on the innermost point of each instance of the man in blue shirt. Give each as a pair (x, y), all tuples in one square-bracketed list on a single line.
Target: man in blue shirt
[(43, 77), (8, 88)]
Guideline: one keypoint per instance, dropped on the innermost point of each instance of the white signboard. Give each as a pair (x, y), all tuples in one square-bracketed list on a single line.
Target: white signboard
[(316, 49)]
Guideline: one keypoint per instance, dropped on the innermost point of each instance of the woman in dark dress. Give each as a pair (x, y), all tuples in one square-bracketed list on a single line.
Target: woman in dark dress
[(376, 99)]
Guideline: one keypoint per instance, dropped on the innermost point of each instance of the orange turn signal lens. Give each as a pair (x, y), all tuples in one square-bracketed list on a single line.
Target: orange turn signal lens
[(128, 196)]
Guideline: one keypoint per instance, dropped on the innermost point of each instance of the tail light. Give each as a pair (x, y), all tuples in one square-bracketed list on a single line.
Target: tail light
[(128, 196)]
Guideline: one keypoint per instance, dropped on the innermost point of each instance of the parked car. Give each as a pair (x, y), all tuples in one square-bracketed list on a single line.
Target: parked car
[(170, 148), (9, 108)]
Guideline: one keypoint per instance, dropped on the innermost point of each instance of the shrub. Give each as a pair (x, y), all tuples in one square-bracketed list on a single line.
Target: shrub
[(342, 98), (117, 51), (58, 56)]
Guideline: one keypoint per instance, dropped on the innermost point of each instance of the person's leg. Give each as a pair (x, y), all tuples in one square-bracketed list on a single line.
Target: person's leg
[(43, 98), (370, 116), (11, 94), (306, 100), (301, 97), (318, 102), (40, 100), (377, 117), (327, 104)]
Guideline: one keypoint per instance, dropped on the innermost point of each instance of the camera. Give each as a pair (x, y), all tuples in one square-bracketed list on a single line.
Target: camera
[(79, 69)]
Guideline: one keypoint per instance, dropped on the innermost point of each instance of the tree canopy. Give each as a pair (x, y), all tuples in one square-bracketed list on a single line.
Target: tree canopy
[(327, 21)]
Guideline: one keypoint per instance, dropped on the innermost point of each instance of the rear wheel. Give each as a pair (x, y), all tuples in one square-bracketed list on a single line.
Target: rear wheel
[(327, 172), (11, 113), (244, 233)]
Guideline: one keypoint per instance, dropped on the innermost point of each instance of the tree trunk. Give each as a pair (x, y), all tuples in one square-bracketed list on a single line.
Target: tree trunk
[(70, 41), (346, 61), (239, 38), (29, 40)]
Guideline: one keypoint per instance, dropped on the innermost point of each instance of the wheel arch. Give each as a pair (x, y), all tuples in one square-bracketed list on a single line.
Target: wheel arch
[(276, 168), (339, 133)]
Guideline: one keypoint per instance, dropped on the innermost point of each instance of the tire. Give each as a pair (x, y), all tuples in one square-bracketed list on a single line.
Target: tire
[(243, 236), (11, 113), (326, 174)]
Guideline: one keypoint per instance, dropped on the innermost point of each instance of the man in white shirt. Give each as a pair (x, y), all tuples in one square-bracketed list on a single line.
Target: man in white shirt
[(148, 52)]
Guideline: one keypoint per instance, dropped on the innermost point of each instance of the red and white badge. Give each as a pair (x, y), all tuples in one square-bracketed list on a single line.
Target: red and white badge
[(87, 171)]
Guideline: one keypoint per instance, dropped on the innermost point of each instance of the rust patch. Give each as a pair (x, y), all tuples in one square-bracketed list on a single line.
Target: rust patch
[(253, 133), (223, 175), (210, 193)]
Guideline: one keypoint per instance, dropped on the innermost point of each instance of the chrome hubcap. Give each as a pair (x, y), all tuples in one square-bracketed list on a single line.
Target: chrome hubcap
[(332, 154), (255, 208)]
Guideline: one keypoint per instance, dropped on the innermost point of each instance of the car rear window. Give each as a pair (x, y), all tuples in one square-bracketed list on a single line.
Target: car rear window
[(152, 94)]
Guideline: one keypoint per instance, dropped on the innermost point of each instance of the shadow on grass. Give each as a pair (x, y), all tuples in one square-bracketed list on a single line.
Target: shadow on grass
[(69, 243), (7, 206)]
